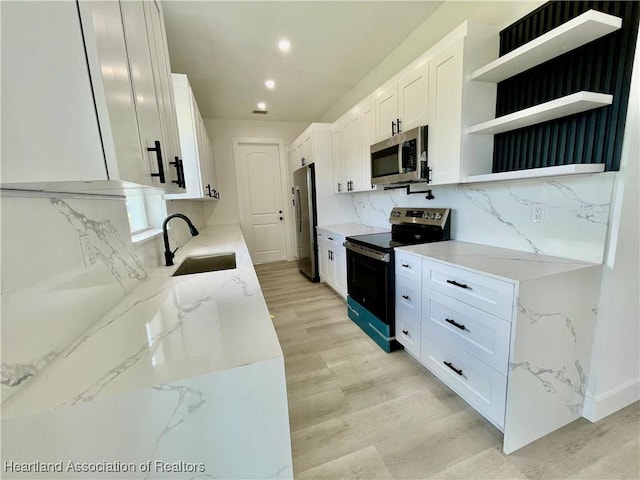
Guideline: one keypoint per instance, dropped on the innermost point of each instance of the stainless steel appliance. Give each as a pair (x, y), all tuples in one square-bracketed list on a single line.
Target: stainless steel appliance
[(401, 158), (371, 272), (304, 201)]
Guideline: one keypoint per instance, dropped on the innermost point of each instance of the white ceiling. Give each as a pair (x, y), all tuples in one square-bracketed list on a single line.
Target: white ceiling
[(229, 49)]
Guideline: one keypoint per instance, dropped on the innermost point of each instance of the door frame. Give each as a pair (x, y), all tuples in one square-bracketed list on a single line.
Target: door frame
[(284, 183)]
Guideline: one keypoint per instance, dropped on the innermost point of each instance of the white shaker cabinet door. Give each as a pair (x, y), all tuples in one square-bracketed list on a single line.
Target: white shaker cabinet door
[(49, 126), (387, 112), (445, 114), (108, 64), (413, 98)]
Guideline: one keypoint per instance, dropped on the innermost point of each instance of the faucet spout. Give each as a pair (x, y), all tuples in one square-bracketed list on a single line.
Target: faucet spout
[(168, 254)]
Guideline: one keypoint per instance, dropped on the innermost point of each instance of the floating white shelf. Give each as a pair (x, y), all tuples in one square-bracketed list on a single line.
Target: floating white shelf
[(558, 108), (573, 169), (583, 29)]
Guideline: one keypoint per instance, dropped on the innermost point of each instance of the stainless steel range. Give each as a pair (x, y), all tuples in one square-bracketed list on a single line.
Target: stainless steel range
[(370, 268)]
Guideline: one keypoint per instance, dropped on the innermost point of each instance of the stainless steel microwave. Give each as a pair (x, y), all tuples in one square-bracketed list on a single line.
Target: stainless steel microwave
[(401, 158)]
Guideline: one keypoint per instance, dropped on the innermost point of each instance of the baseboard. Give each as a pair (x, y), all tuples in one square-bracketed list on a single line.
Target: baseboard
[(597, 408)]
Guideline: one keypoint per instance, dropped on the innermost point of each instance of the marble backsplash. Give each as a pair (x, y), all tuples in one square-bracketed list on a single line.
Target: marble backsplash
[(576, 213), (49, 294)]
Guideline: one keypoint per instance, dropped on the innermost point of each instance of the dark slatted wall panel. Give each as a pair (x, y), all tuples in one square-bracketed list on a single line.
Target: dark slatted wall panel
[(602, 66)]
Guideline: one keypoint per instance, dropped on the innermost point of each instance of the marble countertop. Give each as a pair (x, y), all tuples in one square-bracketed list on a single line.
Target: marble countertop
[(167, 329), (501, 263), (347, 229)]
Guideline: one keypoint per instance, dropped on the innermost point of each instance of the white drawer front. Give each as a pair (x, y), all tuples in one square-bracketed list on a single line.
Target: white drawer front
[(408, 333), (408, 295), (409, 267), (486, 293), (481, 334), (480, 385)]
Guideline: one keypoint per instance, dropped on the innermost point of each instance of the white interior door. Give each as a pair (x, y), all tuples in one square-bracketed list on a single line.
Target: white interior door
[(259, 175)]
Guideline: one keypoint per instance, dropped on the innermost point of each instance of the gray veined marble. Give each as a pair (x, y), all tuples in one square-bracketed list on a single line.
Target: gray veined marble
[(13, 375), (110, 249), (534, 317), (572, 203), (189, 400), (559, 382), (356, 208), (481, 199), (79, 341)]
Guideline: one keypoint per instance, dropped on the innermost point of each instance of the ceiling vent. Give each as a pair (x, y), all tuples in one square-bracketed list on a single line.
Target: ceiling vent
[(260, 112)]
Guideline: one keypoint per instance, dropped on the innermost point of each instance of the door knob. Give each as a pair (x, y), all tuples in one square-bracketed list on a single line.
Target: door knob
[(280, 218), (279, 211)]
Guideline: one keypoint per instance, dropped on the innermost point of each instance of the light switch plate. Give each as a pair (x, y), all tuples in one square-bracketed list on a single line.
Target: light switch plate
[(537, 214), (88, 251)]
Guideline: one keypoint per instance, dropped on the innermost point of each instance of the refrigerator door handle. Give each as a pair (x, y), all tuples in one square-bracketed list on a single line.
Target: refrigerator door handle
[(298, 211)]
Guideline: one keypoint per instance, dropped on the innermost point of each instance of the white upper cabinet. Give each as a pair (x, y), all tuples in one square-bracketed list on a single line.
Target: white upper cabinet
[(71, 125), (387, 112), (49, 128), (403, 103), (455, 104), (197, 163), (353, 134), (413, 97)]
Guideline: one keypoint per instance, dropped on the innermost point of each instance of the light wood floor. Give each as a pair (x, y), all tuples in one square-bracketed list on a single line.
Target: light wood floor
[(358, 412)]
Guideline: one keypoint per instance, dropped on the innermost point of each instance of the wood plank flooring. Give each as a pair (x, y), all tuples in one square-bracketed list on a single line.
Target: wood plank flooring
[(358, 412)]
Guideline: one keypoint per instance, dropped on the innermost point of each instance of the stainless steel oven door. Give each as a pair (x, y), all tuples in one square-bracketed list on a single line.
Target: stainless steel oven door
[(370, 281)]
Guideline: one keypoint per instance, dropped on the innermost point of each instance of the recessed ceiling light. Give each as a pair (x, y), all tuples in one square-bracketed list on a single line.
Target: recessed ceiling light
[(262, 106), (270, 84), (284, 45)]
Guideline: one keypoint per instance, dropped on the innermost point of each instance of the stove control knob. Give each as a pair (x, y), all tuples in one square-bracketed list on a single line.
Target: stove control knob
[(438, 216), (433, 216)]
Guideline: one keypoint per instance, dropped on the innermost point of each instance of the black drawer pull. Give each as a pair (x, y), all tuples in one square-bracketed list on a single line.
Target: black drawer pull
[(450, 365), (455, 324), (406, 265), (406, 332), (158, 151), (461, 285), (330, 238), (406, 297)]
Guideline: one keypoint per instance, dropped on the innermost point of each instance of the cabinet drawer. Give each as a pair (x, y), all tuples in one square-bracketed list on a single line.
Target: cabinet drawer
[(480, 291), (408, 266), (408, 332), (478, 384), (481, 334), (408, 296)]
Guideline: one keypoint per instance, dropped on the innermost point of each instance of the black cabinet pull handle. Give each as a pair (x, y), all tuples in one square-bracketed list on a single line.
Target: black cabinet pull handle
[(158, 151), (461, 285), (179, 171), (406, 266), (450, 365), (339, 187), (209, 189), (330, 238), (406, 332), (393, 128), (398, 120), (406, 297), (455, 324)]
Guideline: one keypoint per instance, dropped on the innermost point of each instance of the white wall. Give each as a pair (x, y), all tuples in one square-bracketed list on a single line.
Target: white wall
[(615, 367), (447, 17)]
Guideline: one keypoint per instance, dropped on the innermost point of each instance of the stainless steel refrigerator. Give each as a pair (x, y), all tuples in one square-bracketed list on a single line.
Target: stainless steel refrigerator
[(304, 201)]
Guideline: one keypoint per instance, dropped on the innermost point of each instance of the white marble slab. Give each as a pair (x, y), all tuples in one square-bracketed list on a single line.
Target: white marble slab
[(348, 229), (498, 262), (183, 369), (576, 213), (166, 330)]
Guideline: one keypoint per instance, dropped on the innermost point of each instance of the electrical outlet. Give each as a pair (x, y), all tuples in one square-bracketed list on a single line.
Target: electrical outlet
[(537, 214), (88, 251)]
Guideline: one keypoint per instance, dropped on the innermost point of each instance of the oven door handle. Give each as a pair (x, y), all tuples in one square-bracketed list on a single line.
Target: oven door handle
[(380, 256)]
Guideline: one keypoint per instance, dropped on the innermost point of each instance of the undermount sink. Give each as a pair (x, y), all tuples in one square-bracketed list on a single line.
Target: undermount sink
[(206, 263)]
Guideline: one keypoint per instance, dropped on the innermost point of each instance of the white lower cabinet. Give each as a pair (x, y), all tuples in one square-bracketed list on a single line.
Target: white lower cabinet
[(509, 332), (332, 259), (480, 385)]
